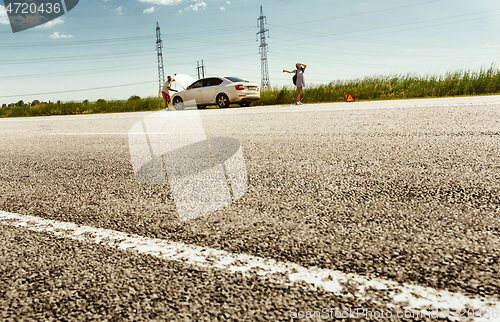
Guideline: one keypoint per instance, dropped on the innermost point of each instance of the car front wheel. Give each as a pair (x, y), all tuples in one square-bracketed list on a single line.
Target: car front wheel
[(178, 103), (223, 101)]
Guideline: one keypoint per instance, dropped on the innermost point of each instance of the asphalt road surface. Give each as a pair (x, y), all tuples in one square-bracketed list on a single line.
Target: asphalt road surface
[(402, 192)]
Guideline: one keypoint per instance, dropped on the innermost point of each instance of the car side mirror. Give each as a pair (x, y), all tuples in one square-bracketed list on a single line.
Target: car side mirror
[(189, 87)]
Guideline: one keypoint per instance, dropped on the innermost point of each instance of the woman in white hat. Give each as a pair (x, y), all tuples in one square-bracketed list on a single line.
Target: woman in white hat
[(300, 83)]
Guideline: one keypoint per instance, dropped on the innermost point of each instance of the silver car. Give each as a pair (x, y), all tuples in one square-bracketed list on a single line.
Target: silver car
[(222, 91)]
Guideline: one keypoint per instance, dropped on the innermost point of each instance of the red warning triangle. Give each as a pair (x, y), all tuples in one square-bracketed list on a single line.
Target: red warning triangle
[(349, 98)]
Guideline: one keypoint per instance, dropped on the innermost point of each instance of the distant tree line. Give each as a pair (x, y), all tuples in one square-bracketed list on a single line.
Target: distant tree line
[(21, 103), (100, 101)]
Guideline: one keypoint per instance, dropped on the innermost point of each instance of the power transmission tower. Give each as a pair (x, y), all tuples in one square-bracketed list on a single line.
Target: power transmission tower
[(261, 22), (159, 46), (200, 70)]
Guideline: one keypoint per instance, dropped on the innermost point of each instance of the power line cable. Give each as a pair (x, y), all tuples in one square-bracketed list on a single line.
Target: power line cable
[(163, 14), (71, 58), (355, 14), (79, 72), (77, 90), (76, 42), (396, 26)]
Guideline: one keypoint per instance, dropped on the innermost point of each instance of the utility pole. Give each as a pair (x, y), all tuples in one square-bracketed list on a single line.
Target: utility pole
[(161, 71), (261, 22), (200, 70)]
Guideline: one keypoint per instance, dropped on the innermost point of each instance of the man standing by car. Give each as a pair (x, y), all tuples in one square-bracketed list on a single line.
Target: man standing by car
[(166, 90)]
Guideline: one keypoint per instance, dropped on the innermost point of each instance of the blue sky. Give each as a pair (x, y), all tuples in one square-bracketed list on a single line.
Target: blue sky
[(106, 48)]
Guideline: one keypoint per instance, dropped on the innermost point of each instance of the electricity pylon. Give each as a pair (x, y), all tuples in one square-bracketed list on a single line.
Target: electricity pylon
[(159, 46), (261, 22)]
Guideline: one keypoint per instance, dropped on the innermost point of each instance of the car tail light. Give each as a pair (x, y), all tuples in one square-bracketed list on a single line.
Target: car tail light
[(240, 87)]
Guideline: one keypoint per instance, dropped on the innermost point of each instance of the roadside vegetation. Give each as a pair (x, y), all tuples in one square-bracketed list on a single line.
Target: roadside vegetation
[(133, 104), (458, 83)]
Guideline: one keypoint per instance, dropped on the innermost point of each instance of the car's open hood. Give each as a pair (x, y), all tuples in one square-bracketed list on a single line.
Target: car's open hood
[(182, 81)]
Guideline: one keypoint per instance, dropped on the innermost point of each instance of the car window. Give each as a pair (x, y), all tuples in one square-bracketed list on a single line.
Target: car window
[(235, 79), (197, 84), (214, 81)]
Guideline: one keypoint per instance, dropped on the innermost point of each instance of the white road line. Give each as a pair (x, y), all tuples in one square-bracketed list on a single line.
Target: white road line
[(79, 117), (102, 133), (410, 297)]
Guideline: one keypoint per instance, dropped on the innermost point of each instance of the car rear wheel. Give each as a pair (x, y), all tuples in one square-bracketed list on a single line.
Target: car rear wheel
[(178, 103), (223, 101)]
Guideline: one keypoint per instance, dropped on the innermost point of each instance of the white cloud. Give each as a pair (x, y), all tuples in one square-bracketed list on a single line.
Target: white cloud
[(163, 2), (119, 10), (222, 9), (4, 19), (51, 23), (34, 20), (150, 10), (490, 46), (197, 6), (56, 35)]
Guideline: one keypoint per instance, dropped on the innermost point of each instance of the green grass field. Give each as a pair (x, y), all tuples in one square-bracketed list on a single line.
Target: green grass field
[(458, 83), (134, 104)]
